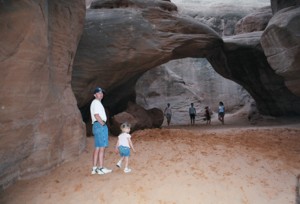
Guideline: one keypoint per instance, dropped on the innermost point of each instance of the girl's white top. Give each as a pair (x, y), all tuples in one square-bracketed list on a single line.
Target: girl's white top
[(123, 139)]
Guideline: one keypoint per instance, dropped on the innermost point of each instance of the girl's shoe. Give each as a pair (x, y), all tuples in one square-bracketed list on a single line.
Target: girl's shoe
[(127, 170), (119, 164)]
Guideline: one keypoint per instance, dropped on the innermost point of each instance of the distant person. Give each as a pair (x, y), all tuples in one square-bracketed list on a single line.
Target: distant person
[(100, 132), (192, 112), (253, 114), (123, 146), (207, 115), (168, 113), (221, 112)]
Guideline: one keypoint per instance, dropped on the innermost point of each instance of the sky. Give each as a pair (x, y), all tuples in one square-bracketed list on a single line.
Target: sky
[(258, 3), (225, 6)]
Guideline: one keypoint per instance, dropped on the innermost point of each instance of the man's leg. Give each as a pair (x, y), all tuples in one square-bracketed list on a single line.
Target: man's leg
[(95, 156), (101, 156)]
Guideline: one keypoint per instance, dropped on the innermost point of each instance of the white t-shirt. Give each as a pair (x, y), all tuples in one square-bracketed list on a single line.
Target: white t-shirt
[(221, 109), (97, 108), (123, 139)]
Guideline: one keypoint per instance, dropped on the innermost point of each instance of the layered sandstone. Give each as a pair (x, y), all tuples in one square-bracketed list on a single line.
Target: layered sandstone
[(40, 123), (116, 61), (281, 45), (110, 59)]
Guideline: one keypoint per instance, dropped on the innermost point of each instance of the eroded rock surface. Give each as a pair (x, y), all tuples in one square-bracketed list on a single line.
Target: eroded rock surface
[(122, 43), (256, 21), (154, 33), (281, 44), (281, 4), (244, 62), (40, 123)]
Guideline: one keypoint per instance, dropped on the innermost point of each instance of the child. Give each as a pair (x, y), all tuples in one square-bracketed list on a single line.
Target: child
[(207, 115), (123, 146)]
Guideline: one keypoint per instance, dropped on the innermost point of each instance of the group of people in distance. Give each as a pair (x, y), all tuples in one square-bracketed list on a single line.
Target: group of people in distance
[(192, 113)]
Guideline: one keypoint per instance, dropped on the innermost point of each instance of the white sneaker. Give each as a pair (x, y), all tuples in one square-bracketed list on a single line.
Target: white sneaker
[(119, 164), (105, 170), (127, 170), (96, 171)]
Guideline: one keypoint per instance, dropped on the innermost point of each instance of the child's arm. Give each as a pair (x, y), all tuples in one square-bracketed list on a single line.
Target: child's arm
[(131, 145)]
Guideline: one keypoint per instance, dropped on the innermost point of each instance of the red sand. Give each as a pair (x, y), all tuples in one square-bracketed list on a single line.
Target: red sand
[(235, 163)]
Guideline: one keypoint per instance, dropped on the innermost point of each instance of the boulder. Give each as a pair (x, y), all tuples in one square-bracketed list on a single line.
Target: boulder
[(256, 21), (281, 44), (156, 116), (120, 118), (138, 117)]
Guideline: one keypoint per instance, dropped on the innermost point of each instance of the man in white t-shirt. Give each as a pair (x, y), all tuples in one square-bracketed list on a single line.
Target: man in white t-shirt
[(100, 132)]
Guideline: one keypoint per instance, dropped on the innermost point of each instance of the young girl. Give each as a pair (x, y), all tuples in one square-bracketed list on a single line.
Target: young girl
[(207, 115), (123, 146)]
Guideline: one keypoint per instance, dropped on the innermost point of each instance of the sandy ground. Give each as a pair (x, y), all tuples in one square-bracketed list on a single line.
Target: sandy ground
[(235, 163)]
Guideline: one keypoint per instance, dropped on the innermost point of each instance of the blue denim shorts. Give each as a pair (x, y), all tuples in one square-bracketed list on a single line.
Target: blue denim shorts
[(100, 135), (124, 151)]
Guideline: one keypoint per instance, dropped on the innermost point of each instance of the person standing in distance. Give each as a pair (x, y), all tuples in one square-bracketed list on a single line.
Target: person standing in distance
[(192, 112), (100, 132), (168, 113), (207, 115), (221, 112)]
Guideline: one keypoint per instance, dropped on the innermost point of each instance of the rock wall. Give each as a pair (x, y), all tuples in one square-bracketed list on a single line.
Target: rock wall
[(281, 4), (281, 44), (41, 125)]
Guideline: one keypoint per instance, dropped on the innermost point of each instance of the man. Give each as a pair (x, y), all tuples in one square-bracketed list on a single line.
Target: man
[(168, 113), (192, 112), (221, 112), (100, 132)]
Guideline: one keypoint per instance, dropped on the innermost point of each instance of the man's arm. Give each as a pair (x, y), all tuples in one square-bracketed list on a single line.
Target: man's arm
[(98, 118)]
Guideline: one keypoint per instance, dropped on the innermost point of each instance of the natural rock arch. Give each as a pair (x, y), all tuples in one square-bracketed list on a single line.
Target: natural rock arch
[(119, 44)]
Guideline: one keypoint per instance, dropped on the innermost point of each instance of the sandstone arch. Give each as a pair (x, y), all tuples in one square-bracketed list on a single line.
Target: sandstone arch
[(152, 35)]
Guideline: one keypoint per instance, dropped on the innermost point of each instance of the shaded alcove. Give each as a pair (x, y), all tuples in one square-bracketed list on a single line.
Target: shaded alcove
[(189, 80)]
